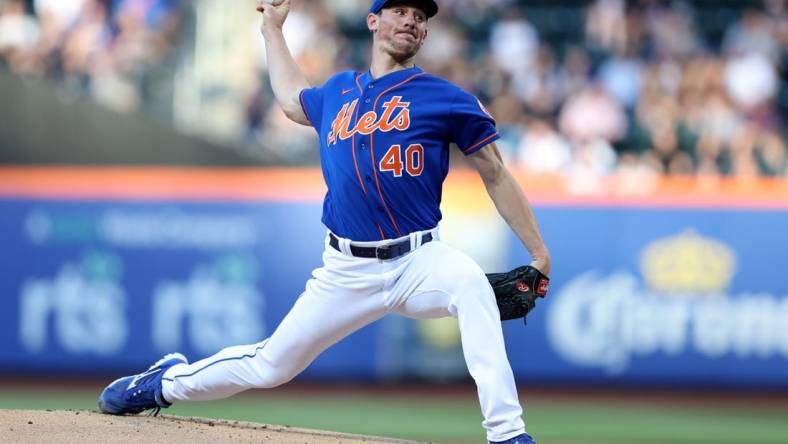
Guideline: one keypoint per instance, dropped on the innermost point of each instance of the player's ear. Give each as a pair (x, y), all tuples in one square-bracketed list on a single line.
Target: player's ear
[(373, 22)]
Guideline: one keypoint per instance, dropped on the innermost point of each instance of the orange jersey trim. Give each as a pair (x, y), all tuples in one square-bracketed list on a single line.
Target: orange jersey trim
[(480, 142)]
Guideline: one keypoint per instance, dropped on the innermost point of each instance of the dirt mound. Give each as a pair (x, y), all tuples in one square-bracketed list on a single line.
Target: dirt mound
[(84, 427)]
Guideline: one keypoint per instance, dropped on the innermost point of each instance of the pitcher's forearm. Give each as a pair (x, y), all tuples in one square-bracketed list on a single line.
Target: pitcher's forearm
[(512, 204), (287, 79)]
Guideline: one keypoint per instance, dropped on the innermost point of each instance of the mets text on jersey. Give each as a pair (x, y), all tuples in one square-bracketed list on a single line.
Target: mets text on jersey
[(370, 122)]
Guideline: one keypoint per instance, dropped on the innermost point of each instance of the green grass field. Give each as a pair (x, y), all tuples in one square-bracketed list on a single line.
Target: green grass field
[(456, 419)]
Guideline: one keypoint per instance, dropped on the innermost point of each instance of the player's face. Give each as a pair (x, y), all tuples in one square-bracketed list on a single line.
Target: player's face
[(400, 30)]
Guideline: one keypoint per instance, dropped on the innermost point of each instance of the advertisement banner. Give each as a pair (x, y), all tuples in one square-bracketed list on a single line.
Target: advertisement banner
[(668, 296), (649, 293)]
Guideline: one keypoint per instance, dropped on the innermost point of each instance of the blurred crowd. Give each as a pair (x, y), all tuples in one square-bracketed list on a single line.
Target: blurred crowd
[(111, 50), (595, 87)]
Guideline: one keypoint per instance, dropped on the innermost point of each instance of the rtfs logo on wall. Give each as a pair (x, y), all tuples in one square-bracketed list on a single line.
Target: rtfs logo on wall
[(680, 306), (217, 306), (84, 308), (81, 309)]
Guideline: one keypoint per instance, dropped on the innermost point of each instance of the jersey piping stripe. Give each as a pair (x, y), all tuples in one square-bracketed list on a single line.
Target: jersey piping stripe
[(382, 234), (353, 145), (480, 142), (303, 107), (358, 84), (234, 358), (372, 150)]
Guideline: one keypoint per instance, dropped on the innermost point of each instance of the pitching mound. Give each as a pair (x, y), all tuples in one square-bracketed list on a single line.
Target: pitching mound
[(55, 426)]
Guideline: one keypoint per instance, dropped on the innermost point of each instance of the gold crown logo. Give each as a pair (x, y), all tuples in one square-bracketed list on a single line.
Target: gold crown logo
[(688, 263)]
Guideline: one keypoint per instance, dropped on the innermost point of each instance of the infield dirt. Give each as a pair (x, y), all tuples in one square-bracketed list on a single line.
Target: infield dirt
[(80, 426)]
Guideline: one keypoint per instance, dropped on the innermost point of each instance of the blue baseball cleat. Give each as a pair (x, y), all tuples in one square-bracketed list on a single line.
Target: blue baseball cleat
[(137, 393), (519, 439)]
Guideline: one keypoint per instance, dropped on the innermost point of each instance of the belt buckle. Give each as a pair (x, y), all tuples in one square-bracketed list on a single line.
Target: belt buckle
[(383, 253)]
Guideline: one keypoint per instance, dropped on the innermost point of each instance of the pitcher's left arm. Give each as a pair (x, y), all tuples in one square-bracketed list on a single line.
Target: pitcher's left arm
[(512, 204)]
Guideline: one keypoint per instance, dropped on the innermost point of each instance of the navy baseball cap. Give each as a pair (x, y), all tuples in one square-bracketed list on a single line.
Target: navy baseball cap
[(429, 6)]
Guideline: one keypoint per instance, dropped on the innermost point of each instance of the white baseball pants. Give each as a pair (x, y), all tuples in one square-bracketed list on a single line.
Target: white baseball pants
[(347, 293)]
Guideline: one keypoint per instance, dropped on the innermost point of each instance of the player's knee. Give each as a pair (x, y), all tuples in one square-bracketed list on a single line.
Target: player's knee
[(271, 377), (272, 371), (272, 380)]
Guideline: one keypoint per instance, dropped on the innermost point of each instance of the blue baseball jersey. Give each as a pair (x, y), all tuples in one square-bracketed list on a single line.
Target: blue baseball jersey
[(384, 148)]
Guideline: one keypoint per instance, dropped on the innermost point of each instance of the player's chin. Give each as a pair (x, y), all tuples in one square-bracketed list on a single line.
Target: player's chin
[(404, 51)]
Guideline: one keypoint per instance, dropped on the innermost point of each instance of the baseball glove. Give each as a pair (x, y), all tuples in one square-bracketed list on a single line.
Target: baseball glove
[(516, 290)]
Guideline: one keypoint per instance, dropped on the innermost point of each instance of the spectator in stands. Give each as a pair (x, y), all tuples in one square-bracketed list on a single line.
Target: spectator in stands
[(671, 30), (55, 17), (772, 155), (621, 74), (19, 34), (593, 115), (751, 80), (63, 13), (514, 43), (85, 43), (606, 26), (544, 150), (144, 33), (152, 14), (755, 32), (575, 74)]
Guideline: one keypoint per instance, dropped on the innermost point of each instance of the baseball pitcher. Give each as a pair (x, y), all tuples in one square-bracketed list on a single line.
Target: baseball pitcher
[(385, 136)]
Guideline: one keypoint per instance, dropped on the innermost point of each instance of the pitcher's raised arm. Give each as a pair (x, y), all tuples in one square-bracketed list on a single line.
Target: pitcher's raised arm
[(287, 79)]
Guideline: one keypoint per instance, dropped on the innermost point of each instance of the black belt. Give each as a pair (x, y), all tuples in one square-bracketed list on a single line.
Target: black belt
[(386, 252)]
